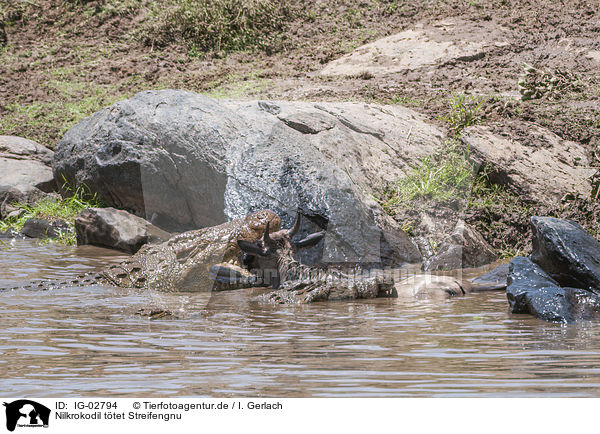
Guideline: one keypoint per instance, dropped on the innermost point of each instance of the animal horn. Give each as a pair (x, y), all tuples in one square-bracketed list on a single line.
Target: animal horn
[(266, 238), (294, 229)]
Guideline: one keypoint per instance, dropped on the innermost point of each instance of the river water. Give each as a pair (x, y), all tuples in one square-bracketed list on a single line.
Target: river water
[(88, 341)]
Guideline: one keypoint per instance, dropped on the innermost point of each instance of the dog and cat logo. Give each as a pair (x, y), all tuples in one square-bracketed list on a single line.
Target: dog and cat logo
[(26, 413)]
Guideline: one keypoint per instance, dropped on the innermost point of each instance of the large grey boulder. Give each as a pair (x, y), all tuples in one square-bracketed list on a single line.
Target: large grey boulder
[(116, 229), (25, 172), (184, 161)]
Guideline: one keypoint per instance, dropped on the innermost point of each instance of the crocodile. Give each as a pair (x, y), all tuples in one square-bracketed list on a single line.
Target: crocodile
[(254, 252), (188, 262)]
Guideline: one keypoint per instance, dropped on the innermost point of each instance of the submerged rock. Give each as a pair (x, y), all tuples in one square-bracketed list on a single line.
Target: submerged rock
[(493, 280), (430, 286), (116, 229)]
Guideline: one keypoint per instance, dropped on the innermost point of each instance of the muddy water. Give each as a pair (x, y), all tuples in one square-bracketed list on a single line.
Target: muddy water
[(84, 341)]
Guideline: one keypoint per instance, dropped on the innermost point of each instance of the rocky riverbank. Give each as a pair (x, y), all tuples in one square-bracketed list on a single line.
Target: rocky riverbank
[(184, 161), (460, 128)]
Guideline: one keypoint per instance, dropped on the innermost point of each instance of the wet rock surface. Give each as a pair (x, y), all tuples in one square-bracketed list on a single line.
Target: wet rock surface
[(116, 229), (566, 252), (560, 281), (531, 291)]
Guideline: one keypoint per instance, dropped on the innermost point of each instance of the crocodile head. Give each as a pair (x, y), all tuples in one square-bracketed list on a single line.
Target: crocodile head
[(273, 254)]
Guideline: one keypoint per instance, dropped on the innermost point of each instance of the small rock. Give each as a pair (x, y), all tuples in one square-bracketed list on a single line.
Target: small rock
[(19, 148), (39, 228), (25, 173), (10, 233), (15, 213), (593, 55), (117, 229), (466, 249)]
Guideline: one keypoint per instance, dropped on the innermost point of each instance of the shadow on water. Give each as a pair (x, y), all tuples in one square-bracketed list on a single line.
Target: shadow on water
[(86, 341)]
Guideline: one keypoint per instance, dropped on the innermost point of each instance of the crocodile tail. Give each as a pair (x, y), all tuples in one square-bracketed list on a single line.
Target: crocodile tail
[(45, 285)]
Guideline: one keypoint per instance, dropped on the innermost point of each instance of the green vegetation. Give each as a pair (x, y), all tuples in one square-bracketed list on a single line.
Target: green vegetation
[(237, 86), (217, 25), (54, 208), (464, 112), (445, 175), (408, 101), (54, 118), (448, 179)]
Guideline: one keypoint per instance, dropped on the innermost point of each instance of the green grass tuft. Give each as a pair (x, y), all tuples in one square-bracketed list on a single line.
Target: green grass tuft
[(445, 175), (464, 112), (54, 208)]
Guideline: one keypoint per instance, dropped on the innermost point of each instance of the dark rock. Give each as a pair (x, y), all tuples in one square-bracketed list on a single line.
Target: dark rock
[(531, 291), (187, 161), (116, 229), (493, 280), (566, 252), (465, 249), (38, 228)]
